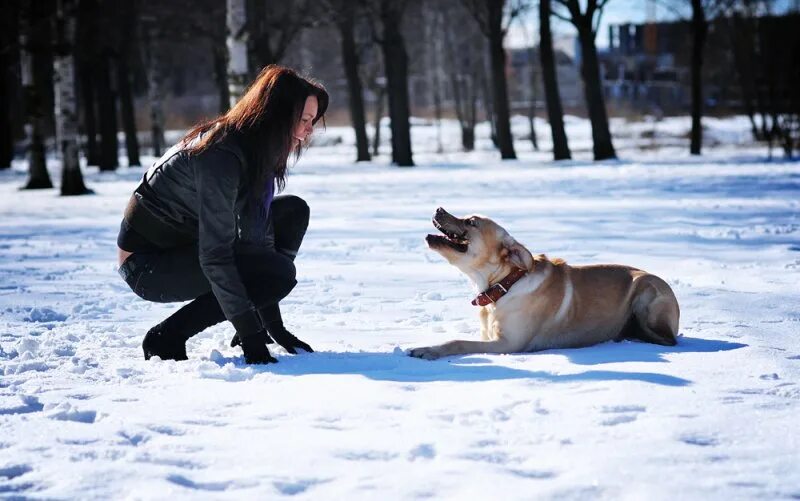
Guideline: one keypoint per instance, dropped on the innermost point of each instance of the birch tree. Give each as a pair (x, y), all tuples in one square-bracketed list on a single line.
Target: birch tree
[(66, 107), (236, 19)]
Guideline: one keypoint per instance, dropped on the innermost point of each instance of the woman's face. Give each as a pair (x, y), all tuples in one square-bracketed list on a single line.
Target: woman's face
[(305, 126)]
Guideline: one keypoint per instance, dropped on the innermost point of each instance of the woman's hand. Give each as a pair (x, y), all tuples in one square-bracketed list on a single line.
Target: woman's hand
[(288, 340), (255, 348)]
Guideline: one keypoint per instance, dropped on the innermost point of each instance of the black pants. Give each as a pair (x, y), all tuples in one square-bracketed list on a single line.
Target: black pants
[(173, 275)]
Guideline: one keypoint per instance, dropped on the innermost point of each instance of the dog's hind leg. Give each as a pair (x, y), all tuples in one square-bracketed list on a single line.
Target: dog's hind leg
[(656, 312)]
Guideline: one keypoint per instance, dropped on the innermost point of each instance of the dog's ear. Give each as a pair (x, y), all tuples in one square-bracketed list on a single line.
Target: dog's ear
[(518, 254)]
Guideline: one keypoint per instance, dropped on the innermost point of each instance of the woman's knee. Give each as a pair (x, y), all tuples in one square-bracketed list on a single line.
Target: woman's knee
[(292, 207)]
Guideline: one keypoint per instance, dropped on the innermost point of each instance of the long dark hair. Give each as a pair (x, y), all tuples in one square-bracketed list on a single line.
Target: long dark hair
[(263, 121)]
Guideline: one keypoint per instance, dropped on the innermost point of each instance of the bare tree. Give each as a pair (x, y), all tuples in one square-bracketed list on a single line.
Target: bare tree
[(238, 35), (586, 22), (343, 14), (766, 60), (555, 113), (701, 12), (106, 109), (151, 35), (85, 55), (699, 35), (66, 107), (464, 62), (387, 19), (494, 18), (125, 19), (34, 34), (273, 26), (9, 45)]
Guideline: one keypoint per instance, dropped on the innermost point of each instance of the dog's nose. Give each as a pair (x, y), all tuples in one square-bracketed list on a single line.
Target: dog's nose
[(440, 210)]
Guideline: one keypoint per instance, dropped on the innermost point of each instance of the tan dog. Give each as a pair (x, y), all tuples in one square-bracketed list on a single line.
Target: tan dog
[(552, 305)]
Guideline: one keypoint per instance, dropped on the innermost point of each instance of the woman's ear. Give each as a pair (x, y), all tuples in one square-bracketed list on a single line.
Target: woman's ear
[(518, 255)]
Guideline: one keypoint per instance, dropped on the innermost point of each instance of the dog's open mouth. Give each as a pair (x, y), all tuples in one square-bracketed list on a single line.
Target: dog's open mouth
[(452, 236)]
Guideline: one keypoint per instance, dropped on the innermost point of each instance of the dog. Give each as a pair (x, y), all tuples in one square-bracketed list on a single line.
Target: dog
[(533, 303)]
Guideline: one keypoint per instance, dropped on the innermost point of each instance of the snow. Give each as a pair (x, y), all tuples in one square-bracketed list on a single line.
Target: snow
[(82, 415)]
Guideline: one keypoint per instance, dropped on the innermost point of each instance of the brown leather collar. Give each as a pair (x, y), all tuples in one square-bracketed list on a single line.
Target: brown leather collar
[(498, 290)]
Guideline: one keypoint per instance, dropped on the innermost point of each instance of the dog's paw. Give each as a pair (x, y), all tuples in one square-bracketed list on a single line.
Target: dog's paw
[(427, 353)]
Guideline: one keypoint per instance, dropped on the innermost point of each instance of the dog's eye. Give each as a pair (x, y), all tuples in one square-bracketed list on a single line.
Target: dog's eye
[(471, 222)]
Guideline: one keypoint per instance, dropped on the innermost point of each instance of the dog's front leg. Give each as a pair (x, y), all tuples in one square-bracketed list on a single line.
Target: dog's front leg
[(459, 347)]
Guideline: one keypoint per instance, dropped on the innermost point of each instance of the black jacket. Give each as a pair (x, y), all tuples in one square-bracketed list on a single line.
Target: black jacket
[(205, 199)]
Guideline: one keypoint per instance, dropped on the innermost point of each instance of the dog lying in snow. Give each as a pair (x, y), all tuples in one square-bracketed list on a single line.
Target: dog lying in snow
[(532, 303)]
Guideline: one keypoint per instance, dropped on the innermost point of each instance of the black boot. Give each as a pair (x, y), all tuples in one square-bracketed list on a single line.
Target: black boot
[(167, 340)]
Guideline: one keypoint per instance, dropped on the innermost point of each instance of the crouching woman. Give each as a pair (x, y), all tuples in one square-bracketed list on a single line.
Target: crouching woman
[(205, 225)]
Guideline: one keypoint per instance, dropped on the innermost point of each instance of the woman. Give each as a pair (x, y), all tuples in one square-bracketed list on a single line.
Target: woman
[(204, 224)]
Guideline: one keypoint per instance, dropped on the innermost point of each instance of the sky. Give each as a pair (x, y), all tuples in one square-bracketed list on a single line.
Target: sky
[(616, 12)]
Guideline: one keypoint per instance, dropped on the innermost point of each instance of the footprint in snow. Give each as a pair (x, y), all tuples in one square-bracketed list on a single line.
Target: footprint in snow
[(699, 440), (422, 451), (625, 414), (294, 487)]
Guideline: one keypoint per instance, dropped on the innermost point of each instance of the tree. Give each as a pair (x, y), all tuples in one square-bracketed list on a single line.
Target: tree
[(106, 111), (343, 14), (125, 22), (87, 29), (766, 51), (701, 12), (464, 63), (699, 35), (237, 49), (151, 33), (34, 36), (555, 113), (272, 27), (586, 22), (493, 20), (387, 18), (66, 108), (8, 70)]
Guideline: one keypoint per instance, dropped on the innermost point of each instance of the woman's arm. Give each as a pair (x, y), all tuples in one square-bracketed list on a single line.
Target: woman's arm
[(218, 175)]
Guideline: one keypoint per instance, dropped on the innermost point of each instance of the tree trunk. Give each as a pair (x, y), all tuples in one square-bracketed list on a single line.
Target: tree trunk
[(107, 114), (66, 105), (30, 45), (499, 84), (87, 60), (396, 66), (220, 52), (555, 113), (237, 49), (6, 129), (354, 88), (8, 41), (154, 88), (88, 103), (468, 138), (376, 138), (593, 92), (488, 106), (699, 31), (127, 112)]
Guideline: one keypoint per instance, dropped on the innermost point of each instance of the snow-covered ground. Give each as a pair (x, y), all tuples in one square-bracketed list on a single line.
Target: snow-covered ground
[(82, 415)]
